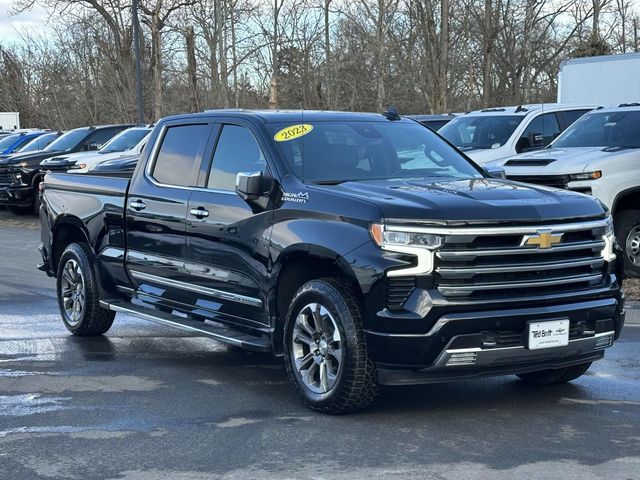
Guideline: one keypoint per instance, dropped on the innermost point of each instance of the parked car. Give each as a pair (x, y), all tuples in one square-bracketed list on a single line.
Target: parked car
[(496, 133), (434, 122), (362, 247), (598, 155), (128, 142), (20, 173), (119, 167), (14, 142)]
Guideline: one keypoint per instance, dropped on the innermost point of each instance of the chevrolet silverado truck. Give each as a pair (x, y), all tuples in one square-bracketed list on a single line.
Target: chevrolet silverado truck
[(20, 173), (363, 248), (598, 155)]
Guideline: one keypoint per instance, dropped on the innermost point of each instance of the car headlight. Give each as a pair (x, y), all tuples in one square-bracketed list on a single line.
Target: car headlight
[(577, 177), (421, 245), (384, 238), (608, 252), (23, 164), (77, 166)]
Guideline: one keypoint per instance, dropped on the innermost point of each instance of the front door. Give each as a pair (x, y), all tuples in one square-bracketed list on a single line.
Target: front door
[(227, 244), (157, 211)]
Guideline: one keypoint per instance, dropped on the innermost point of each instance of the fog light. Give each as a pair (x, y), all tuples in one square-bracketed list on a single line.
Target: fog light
[(604, 341), (459, 359)]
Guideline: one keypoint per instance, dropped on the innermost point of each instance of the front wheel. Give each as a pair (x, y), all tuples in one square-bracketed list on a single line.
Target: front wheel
[(325, 351), (560, 375), (77, 290), (627, 225)]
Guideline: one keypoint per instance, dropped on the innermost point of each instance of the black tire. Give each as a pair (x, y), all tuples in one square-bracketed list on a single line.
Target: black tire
[(627, 227), (560, 375), (356, 382), (91, 318)]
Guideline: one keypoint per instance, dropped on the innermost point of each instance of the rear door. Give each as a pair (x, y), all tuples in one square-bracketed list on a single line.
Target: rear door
[(227, 243), (157, 209)]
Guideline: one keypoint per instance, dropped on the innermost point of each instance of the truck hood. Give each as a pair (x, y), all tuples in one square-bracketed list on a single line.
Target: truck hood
[(30, 157), (471, 200), (561, 160), (64, 158), (482, 156)]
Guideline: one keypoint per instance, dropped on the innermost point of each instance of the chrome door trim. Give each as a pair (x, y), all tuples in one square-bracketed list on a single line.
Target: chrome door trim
[(221, 294)]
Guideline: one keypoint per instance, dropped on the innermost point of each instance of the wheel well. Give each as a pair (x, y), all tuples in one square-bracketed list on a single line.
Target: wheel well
[(627, 201), (295, 272), (64, 235)]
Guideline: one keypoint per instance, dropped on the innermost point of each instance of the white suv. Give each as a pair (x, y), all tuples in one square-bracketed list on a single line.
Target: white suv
[(496, 133), (598, 155)]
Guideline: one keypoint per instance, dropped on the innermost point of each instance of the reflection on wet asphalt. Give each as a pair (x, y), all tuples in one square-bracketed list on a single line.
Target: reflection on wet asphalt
[(147, 402)]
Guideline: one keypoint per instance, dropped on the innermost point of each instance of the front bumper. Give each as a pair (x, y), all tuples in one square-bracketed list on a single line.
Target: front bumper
[(18, 196), (471, 344)]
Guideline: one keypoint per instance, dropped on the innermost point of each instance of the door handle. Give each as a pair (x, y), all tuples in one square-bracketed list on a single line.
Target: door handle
[(199, 212), (138, 205)]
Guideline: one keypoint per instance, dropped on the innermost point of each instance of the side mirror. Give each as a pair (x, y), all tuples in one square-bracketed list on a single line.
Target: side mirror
[(249, 185), (496, 172), (522, 144), (92, 146)]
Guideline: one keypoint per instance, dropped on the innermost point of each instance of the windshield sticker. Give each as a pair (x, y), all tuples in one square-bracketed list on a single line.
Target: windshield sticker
[(293, 131), (300, 197)]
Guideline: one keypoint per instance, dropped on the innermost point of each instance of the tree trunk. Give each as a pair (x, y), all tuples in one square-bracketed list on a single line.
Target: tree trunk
[(191, 69), (156, 59)]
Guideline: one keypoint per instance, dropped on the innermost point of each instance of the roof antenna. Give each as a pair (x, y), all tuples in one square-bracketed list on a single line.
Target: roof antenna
[(392, 114)]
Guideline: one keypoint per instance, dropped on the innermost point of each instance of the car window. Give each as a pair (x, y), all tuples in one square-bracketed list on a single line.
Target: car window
[(471, 132), (340, 151), (237, 151), (570, 116), (540, 132), (102, 136), (180, 154)]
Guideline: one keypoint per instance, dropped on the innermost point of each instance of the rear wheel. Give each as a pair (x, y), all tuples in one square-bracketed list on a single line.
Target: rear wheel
[(325, 351), (560, 375), (627, 225), (77, 290)]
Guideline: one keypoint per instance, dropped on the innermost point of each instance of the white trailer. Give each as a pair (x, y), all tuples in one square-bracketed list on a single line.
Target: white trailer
[(9, 120), (607, 80)]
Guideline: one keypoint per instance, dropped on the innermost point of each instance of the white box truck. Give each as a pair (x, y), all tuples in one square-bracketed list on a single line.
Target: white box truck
[(606, 80), (9, 121)]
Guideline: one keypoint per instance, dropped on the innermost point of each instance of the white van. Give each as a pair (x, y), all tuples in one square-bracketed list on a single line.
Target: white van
[(495, 133)]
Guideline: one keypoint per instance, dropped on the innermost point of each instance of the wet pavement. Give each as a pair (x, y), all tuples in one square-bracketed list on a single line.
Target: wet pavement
[(147, 402)]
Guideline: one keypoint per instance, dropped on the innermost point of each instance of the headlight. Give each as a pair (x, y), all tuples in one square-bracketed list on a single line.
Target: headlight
[(608, 252), (77, 166), (576, 177), (23, 164), (421, 245), (384, 237)]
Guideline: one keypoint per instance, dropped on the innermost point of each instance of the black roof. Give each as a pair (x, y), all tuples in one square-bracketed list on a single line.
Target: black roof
[(285, 116)]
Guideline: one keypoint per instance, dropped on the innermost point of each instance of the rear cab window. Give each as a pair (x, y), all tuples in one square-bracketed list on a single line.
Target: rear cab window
[(178, 159)]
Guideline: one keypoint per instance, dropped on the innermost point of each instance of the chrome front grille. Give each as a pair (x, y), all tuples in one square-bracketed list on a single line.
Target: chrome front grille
[(494, 264)]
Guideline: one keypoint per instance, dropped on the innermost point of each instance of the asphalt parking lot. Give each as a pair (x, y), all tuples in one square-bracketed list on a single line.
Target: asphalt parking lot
[(147, 402)]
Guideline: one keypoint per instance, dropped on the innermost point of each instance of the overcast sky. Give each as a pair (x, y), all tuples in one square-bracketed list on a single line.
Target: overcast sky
[(10, 26)]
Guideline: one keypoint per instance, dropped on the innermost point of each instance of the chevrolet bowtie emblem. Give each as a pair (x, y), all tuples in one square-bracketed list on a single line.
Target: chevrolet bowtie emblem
[(541, 239)]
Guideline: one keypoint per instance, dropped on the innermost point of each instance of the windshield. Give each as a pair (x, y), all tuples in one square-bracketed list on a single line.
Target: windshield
[(8, 141), (125, 140), (67, 141), (472, 132), (334, 152), (605, 129), (38, 143)]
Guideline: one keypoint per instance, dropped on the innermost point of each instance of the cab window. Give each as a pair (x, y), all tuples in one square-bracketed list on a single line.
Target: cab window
[(180, 154), (539, 133), (237, 151)]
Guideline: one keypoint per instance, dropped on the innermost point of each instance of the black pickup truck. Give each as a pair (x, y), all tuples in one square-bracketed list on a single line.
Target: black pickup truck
[(363, 248), (20, 173)]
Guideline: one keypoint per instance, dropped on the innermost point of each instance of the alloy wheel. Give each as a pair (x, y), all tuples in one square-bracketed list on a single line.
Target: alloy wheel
[(317, 348), (633, 245), (73, 291)]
